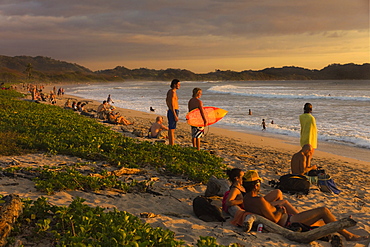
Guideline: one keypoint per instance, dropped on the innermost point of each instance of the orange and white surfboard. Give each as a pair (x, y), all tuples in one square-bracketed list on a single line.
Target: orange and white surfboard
[(213, 115)]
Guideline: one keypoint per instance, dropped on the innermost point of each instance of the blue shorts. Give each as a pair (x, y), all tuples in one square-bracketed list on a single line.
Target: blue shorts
[(171, 119)]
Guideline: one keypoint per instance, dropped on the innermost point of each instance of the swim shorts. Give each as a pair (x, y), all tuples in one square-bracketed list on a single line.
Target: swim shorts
[(197, 132), (171, 119)]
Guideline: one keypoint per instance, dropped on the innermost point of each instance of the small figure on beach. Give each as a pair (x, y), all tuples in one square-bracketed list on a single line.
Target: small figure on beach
[(308, 128), (263, 125), (173, 110), (272, 121), (74, 106), (103, 110), (152, 109), (109, 100), (280, 215), (195, 102), (250, 112), (67, 105), (156, 130), (116, 118), (300, 162)]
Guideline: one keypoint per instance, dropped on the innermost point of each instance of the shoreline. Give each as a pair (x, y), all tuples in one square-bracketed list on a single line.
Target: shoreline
[(288, 143), (347, 151)]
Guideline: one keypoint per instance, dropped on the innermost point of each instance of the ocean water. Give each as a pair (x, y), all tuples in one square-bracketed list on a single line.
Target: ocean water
[(341, 108)]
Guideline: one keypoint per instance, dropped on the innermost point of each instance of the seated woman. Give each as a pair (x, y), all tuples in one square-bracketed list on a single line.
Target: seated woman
[(233, 199)]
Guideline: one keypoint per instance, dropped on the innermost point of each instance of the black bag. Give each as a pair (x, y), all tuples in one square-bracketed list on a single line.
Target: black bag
[(300, 227), (313, 173), (293, 184), (205, 211)]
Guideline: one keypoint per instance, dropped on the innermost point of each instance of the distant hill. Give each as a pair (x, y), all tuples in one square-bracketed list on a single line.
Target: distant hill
[(46, 69)]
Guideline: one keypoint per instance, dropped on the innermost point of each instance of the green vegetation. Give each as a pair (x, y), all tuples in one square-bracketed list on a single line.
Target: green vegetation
[(81, 225), (31, 127), (53, 179), (52, 129)]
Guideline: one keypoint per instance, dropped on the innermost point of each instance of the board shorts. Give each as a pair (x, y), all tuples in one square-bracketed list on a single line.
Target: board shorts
[(171, 119), (197, 132)]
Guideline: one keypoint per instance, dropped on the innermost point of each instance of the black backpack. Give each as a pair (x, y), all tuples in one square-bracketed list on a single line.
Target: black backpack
[(205, 211), (293, 184)]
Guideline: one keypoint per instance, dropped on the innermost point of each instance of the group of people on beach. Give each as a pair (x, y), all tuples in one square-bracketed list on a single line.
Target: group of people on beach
[(106, 111), (243, 198)]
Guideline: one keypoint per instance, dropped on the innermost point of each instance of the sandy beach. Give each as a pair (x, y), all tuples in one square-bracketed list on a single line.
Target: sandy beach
[(173, 209)]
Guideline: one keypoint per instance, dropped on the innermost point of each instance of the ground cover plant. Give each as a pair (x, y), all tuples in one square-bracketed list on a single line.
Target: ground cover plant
[(52, 179), (30, 127), (59, 131), (81, 225)]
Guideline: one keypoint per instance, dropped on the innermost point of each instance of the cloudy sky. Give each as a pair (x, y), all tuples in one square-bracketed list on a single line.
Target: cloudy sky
[(198, 35)]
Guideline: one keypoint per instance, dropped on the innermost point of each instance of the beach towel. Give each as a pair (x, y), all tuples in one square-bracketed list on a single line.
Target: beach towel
[(326, 184), (239, 218), (308, 130)]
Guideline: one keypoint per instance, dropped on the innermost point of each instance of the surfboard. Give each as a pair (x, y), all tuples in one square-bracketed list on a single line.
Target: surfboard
[(213, 115)]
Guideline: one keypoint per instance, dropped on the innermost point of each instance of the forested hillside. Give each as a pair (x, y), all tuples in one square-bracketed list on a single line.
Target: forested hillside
[(46, 69)]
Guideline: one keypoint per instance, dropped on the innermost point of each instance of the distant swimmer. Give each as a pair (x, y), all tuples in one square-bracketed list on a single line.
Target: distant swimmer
[(152, 109), (263, 125), (109, 100), (272, 121)]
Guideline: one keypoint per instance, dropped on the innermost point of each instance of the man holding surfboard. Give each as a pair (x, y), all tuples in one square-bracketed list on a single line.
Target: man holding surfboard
[(196, 103), (173, 110)]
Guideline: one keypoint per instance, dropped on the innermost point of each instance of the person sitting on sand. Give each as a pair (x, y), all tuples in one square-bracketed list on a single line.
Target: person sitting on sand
[(103, 110), (116, 118), (279, 214), (67, 105), (300, 163), (157, 127)]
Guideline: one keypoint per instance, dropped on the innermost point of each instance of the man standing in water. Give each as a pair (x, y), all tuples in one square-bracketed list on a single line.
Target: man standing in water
[(308, 129), (173, 110), (195, 102)]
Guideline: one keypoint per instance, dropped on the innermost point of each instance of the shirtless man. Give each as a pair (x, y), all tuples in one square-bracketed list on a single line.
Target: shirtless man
[(195, 102), (300, 163), (173, 110), (157, 127), (278, 214)]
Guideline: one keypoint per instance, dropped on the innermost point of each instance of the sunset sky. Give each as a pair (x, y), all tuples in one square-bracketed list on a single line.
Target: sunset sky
[(198, 35)]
